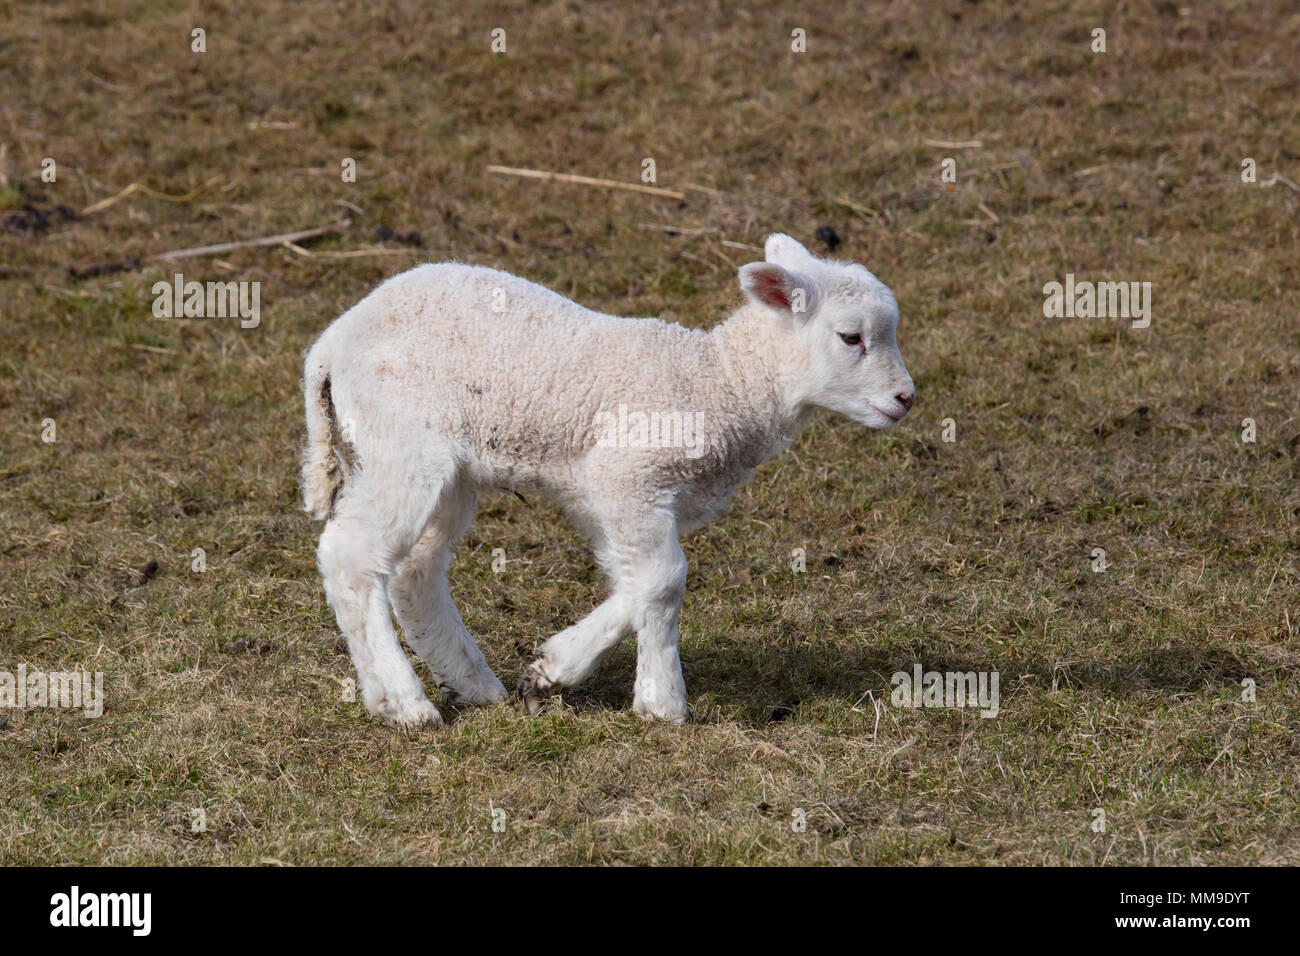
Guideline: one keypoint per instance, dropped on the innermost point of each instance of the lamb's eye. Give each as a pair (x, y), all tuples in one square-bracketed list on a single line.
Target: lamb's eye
[(854, 339)]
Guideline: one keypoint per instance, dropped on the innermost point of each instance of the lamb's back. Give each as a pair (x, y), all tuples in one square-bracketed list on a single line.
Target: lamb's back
[(515, 371)]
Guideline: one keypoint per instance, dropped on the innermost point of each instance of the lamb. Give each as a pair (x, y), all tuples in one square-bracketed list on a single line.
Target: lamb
[(449, 380)]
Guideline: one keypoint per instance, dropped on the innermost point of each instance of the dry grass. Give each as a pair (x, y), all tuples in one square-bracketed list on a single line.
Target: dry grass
[(1119, 689)]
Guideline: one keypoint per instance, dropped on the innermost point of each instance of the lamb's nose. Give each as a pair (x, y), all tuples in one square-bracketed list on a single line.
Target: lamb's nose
[(906, 399)]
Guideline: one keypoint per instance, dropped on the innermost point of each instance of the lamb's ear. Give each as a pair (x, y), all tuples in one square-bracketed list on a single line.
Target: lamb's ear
[(784, 251), (782, 291)]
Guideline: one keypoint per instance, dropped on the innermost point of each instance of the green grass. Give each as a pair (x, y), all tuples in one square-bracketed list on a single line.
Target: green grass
[(1120, 690)]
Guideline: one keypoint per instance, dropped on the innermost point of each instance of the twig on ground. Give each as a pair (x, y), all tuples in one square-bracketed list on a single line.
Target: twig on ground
[(351, 254), (174, 254), (676, 230), (954, 144), (704, 262), (137, 187), (584, 180), (337, 226), (858, 207), (1279, 178)]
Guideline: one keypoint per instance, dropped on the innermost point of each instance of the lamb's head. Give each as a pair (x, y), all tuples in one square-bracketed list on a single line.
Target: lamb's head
[(843, 323)]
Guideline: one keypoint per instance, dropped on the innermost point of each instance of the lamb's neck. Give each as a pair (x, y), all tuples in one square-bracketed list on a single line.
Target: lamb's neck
[(754, 355)]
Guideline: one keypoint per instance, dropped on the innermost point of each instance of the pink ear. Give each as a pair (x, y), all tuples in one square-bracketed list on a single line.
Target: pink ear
[(768, 283), (774, 287)]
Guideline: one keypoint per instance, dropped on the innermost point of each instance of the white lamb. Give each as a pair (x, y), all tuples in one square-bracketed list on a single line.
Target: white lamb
[(451, 379)]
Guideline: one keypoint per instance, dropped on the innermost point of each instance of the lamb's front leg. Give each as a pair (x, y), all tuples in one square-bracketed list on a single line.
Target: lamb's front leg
[(658, 586), (572, 655), (649, 574)]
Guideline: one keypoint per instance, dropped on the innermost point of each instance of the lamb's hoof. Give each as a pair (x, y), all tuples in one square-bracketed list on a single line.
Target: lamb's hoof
[(673, 713), (535, 691), (454, 698), (409, 715), (487, 691)]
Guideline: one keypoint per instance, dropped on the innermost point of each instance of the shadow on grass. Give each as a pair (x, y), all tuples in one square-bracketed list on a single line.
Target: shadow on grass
[(762, 683)]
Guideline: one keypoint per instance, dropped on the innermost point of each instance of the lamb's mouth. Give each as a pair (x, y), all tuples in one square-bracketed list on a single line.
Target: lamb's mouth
[(892, 418)]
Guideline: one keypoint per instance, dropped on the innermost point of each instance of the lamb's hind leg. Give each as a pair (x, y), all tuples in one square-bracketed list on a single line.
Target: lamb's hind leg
[(358, 548), (424, 608)]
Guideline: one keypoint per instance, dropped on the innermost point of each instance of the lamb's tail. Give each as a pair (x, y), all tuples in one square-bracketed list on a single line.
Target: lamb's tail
[(322, 473)]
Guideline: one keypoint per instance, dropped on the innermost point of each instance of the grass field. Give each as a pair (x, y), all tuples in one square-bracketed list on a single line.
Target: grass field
[(224, 688)]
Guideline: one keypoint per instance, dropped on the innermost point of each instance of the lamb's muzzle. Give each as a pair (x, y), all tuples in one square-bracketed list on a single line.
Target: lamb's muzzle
[(450, 380)]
